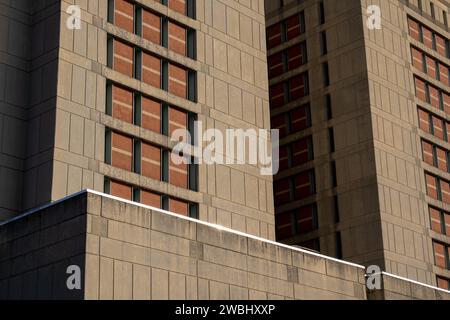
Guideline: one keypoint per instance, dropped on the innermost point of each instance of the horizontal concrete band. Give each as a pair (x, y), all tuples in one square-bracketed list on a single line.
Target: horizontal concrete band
[(88, 191), (133, 251)]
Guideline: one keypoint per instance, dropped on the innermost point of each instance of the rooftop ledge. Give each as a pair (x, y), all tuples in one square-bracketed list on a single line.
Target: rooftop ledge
[(127, 250)]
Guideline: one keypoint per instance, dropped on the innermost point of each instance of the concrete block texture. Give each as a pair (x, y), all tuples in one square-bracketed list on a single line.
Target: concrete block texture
[(124, 259), (53, 87), (231, 72), (28, 61)]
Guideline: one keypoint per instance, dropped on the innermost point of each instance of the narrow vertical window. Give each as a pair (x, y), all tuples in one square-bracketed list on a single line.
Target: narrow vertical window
[(321, 12)]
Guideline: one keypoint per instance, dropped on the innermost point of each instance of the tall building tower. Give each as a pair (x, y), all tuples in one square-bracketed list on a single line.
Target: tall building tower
[(93, 103), (92, 91), (360, 92)]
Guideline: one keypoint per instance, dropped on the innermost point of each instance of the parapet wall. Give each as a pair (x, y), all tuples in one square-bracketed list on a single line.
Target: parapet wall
[(129, 251)]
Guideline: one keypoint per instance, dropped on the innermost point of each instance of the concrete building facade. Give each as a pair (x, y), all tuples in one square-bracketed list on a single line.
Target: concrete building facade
[(130, 251), (365, 176), (91, 92), (111, 91)]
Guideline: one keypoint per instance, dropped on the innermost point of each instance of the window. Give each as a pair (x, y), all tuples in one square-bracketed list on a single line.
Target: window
[(298, 86), (286, 30), (441, 45), (333, 174), (336, 209), (177, 5), (296, 154), (125, 105), (280, 122), (274, 36), (443, 283), (121, 13), (328, 107), (421, 89), (437, 188), (321, 13), (441, 158), (152, 70), (277, 95), (417, 59), (443, 74), (326, 74), (119, 189), (186, 7), (414, 29), (285, 157), (427, 35), (284, 225), (150, 26), (276, 63), (300, 119), (302, 151), (149, 198), (150, 161), (323, 43), (177, 38), (132, 107), (444, 187), (295, 26), (121, 57), (434, 97), (304, 185), (331, 140), (436, 220), (431, 67), (432, 187), (153, 27), (120, 103), (441, 255), (296, 222), (428, 153), (178, 171), (306, 219), (119, 150), (177, 80), (150, 114), (287, 60), (296, 56), (438, 128), (311, 244), (338, 245), (424, 121), (439, 221), (283, 191), (178, 206), (435, 156)]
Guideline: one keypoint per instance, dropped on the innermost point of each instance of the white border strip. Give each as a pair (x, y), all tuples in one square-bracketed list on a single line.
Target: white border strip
[(215, 226), (413, 281)]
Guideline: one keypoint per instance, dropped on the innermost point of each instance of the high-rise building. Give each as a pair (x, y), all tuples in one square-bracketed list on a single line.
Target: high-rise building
[(91, 93), (93, 104), (360, 92)]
